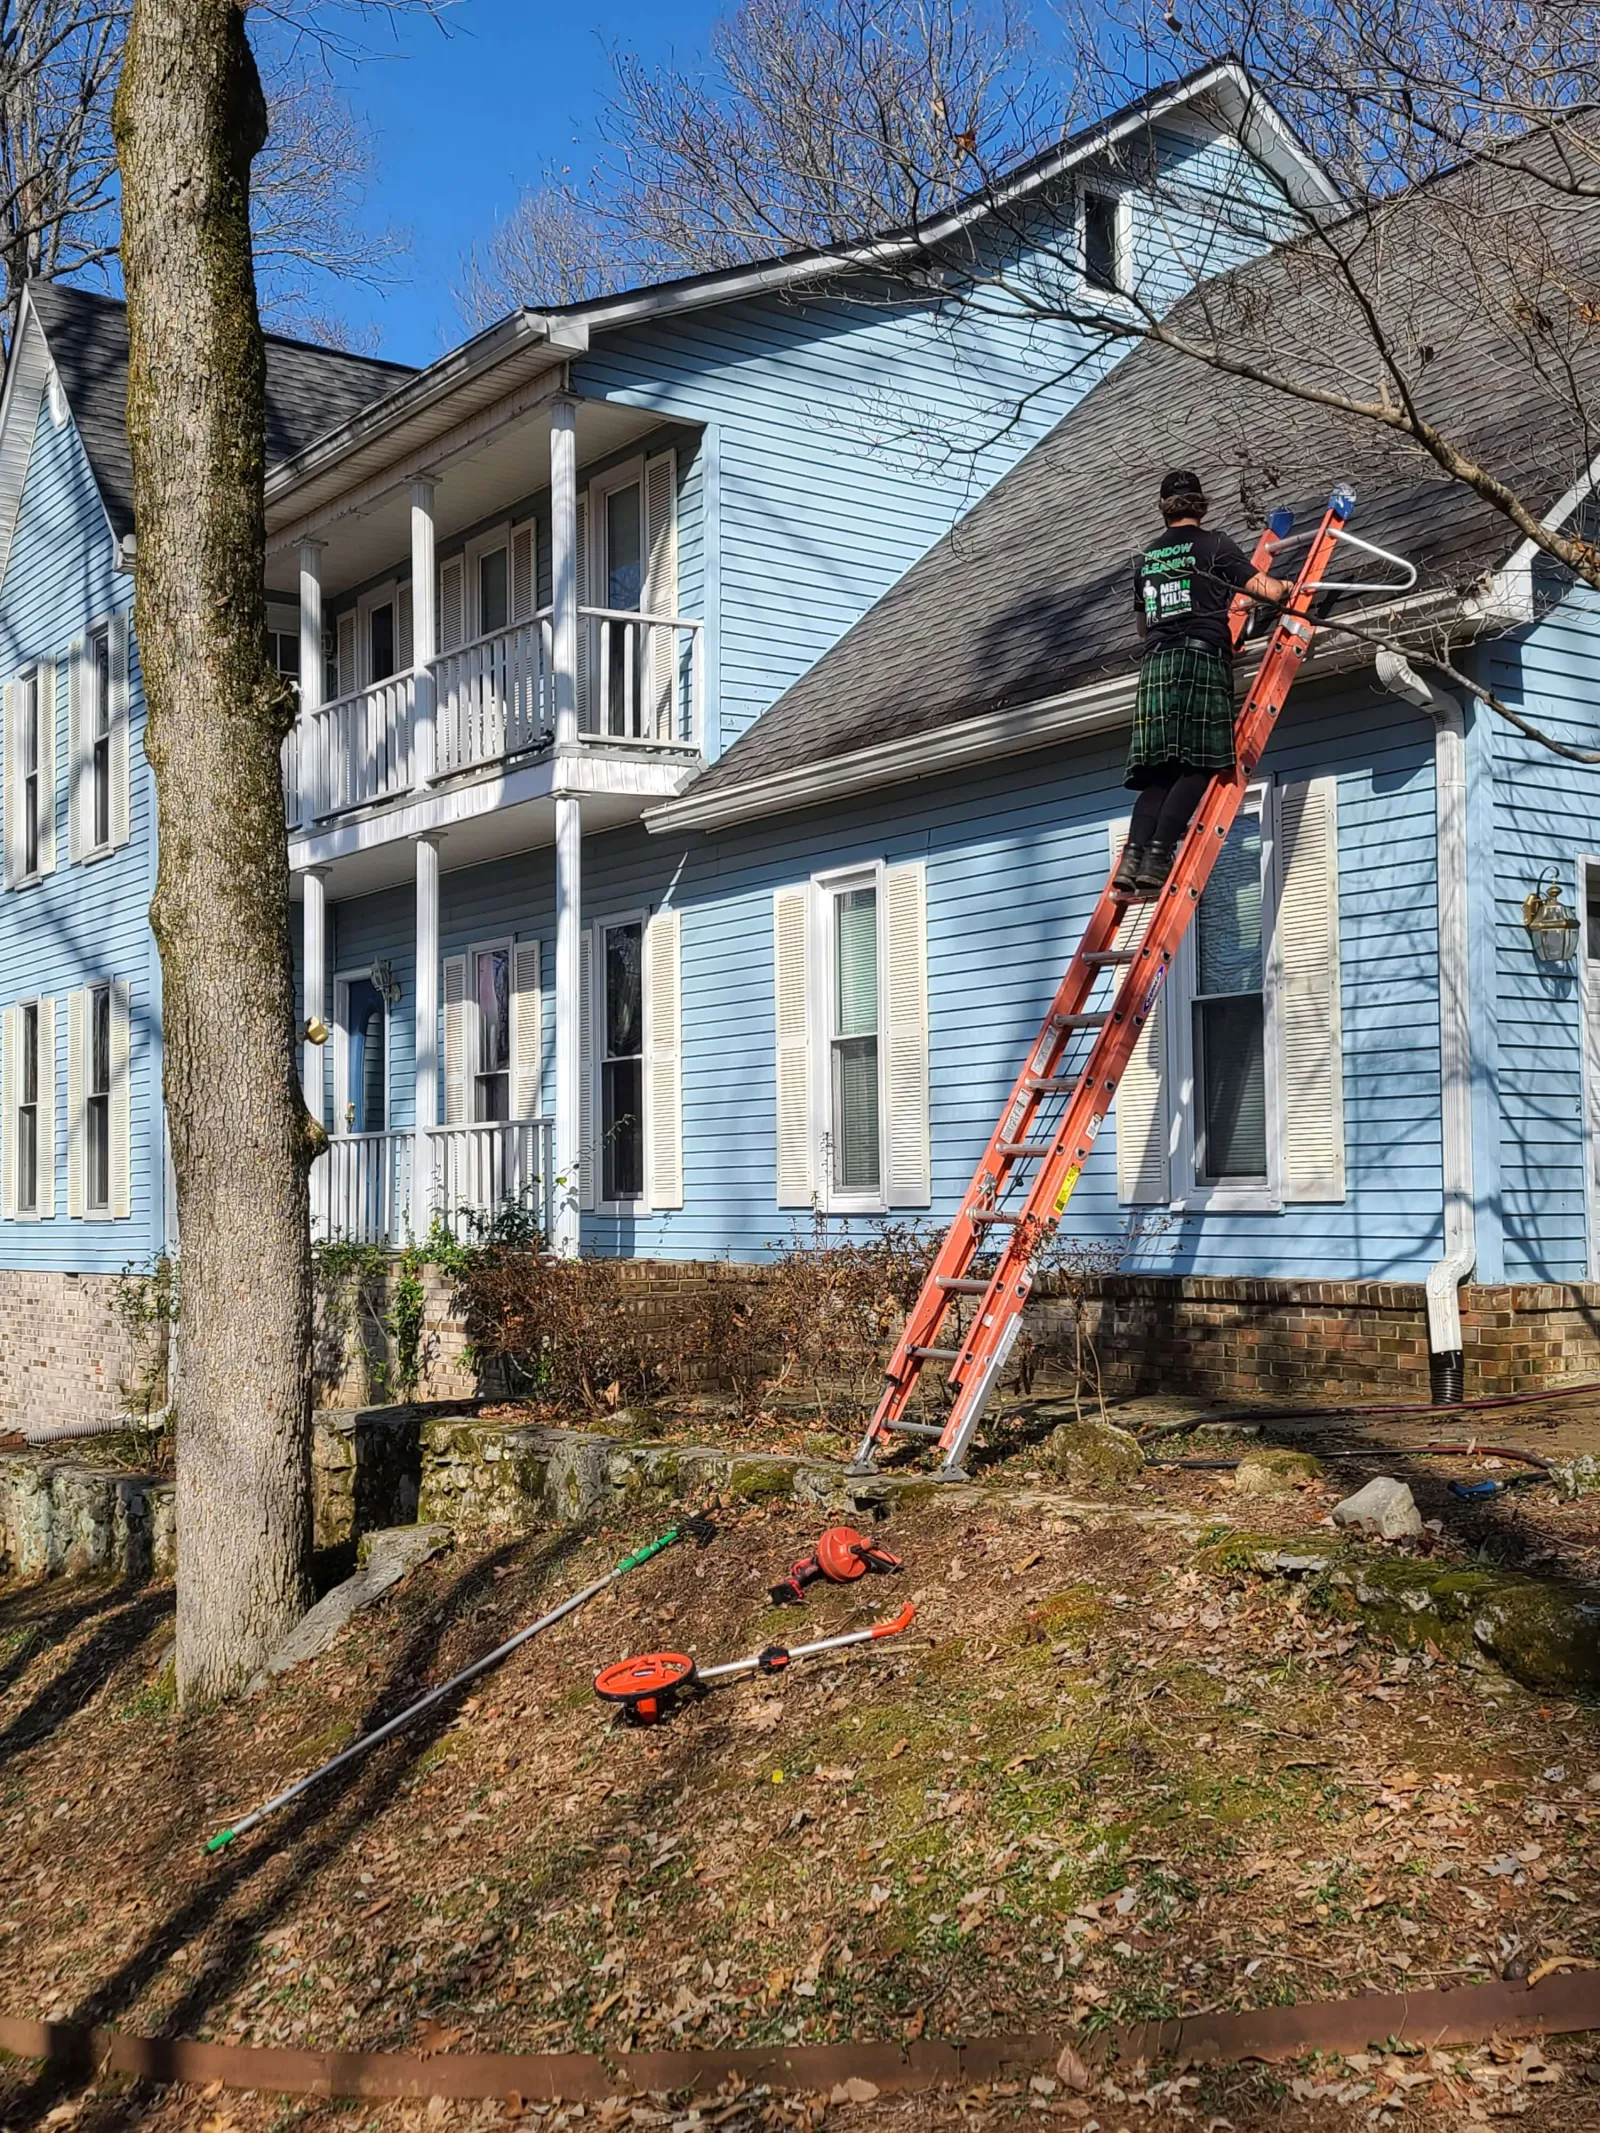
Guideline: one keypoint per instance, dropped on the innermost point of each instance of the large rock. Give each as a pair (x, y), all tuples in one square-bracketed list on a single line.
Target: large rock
[(1091, 1454), (387, 1557), (1385, 1507), (1274, 1472)]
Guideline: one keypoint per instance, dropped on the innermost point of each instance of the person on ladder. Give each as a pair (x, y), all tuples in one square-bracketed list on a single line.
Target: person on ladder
[(1184, 716)]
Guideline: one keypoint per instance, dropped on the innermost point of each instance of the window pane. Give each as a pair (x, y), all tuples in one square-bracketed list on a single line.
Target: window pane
[(381, 626), (622, 1123), (101, 710), (100, 1041), (1230, 1063), (28, 1158), (494, 1010), (30, 726), (624, 1032), (1100, 262), (624, 551), (99, 1123), (1228, 926), (30, 1053), (494, 600), (855, 937), (855, 1114)]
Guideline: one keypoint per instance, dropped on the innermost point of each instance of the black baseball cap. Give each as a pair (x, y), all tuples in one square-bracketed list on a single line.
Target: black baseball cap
[(1181, 482)]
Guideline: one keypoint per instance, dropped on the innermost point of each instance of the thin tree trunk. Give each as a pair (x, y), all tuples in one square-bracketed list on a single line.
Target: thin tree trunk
[(189, 118)]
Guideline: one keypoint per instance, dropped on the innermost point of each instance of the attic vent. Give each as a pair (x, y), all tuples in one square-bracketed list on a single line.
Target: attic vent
[(58, 400)]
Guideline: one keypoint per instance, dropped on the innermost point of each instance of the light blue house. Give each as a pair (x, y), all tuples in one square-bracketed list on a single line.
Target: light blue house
[(698, 790)]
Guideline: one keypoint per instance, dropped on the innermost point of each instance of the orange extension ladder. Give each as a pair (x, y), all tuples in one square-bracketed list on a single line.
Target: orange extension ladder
[(1030, 1166)]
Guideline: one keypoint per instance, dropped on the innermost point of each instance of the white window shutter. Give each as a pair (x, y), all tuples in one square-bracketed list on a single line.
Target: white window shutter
[(77, 1115), (661, 590), (80, 800), (12, 786), (452, 602), (455, 1040), (663, 1060), (588, 1153), (120, 1107), (527, 1030), (47, 766), (47, 1109), (1310, 1044), (10, 1083), (120, 831), (345, 652), (908, 1178), (580, 568), (792, 1021), (524, 556), (403, 640), (1140, 1108)]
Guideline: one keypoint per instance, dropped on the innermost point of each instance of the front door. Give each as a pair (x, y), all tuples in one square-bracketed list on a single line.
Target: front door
[(366, 1068)]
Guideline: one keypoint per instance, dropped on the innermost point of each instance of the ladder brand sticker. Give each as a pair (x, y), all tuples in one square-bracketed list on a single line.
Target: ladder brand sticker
[(1067, 1184), (1096, 1120)]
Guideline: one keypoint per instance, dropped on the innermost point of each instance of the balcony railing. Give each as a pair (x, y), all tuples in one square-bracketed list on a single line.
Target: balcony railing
[(640, 683), (361, 1186)]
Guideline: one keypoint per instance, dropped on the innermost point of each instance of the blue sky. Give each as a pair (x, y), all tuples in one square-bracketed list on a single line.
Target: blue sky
[(468, 115)]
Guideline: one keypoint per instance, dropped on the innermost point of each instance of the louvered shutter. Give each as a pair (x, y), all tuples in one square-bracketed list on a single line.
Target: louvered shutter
[(908, 1179), (663, 1061), (580, 570), (77, 1110), (523, 559), (403, 643), (1140, 1108), (47, 766), (1310, 1046), (588, 1154), (661, 592), (527, 1030), (80, 796), (345, 640), (47, 1109), (121, 1107), (452, 602), (792, 1022), (10, 1043), (120, 715), (16, 696), (455, 1040)]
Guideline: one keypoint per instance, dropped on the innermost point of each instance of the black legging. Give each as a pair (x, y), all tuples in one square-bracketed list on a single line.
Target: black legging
[(1161, 813)]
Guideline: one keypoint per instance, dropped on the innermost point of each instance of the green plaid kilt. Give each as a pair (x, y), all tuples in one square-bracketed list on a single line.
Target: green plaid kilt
[(1184, 714)]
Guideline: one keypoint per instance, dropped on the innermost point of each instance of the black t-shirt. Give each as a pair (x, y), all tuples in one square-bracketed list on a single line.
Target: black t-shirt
[(1184, 585)]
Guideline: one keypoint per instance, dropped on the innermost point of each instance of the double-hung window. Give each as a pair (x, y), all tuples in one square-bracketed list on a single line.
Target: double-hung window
[(29, 769), (854, 1107), (97, 744), (97, 1104), (491, 994), (1228, 1014), (99, 736), (622, 1062), (26, 1126), (1104, 234), (494, 591)]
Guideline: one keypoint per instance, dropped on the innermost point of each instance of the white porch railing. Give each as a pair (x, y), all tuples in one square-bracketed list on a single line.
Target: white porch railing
[(640, 683), (361, 1186)]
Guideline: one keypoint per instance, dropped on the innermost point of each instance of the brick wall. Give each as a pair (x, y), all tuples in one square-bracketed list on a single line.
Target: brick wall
[(63, 1354)]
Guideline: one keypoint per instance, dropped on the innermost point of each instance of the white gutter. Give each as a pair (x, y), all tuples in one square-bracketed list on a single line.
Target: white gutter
[(1455, 1021)]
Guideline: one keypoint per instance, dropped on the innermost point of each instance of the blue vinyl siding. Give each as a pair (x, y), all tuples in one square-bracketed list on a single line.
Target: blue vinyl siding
[(1546, 813), (1014, 860), (85, 922)]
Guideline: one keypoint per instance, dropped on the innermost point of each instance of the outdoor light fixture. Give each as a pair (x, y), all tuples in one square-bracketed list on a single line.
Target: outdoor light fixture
[(384, 982), (1552, 928), (315, 1031)]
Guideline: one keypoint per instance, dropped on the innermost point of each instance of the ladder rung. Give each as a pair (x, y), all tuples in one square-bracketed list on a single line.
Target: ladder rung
[(959, 1285), (984, 1214), (1094, 1021), (1025, 1149), (934, 1355), (915, 1429), (1052, 1084), (1111, 955)]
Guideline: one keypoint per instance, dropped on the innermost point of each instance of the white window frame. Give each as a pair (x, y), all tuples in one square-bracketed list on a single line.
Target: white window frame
[(284, 621), (1121, 197), (1192, 1194), (104, 1210), (43, 772), (1589, 1053), (471, 1030), (342, 982), (640, 917), (471, 592), (630, 473), (824, 888), (43, 1208), (385, 595)]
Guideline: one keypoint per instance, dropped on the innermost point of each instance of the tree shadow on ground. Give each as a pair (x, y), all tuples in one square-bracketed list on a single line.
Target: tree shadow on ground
[(117, 1638)]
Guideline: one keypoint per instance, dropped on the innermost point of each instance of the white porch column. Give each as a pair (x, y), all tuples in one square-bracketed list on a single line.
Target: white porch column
[(564, 572), (424, 635), (312, 785), (427, 1036), (569, 1059), (314, 984)]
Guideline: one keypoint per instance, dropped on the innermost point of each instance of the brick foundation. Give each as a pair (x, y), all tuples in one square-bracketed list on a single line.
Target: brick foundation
[(64, 1355)]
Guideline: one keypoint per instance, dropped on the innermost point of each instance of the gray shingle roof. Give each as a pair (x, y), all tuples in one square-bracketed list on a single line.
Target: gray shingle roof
[(1030, 595), (310, 390)]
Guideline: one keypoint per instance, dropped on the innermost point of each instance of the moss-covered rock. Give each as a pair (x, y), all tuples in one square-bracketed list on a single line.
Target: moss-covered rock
[(761, 1480), (1091, 1454), (1275, 1471)]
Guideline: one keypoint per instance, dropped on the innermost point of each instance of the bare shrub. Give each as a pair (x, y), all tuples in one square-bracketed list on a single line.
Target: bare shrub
[(573, 1332)]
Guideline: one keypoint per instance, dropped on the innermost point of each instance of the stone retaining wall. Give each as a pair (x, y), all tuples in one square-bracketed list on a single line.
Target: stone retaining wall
[(66, 1518)]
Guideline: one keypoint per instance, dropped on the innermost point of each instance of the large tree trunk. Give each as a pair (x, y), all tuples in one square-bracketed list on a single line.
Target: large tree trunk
[(189, 118)]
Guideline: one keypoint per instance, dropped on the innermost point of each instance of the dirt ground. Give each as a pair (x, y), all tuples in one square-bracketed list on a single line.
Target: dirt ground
[(1104, 1778)]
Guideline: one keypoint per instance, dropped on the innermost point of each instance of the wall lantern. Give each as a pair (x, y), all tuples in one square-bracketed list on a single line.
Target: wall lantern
[(384, 982), (1552, 928)]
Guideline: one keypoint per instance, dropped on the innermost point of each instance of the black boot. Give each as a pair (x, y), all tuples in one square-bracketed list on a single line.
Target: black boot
[(1126, 879), (1154, 868)]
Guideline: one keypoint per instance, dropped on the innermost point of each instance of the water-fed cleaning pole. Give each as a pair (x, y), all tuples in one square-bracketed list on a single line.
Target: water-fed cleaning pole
[(776, 1657), (700, 1530)]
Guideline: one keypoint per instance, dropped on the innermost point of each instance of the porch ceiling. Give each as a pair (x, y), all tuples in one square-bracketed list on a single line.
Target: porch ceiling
[(368, 532)]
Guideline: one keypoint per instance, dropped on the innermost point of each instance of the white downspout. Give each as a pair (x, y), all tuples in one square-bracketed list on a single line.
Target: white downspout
[(1446, 1365)]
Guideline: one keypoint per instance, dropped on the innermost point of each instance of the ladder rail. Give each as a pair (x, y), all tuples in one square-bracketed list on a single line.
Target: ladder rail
[(997, 1320)]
